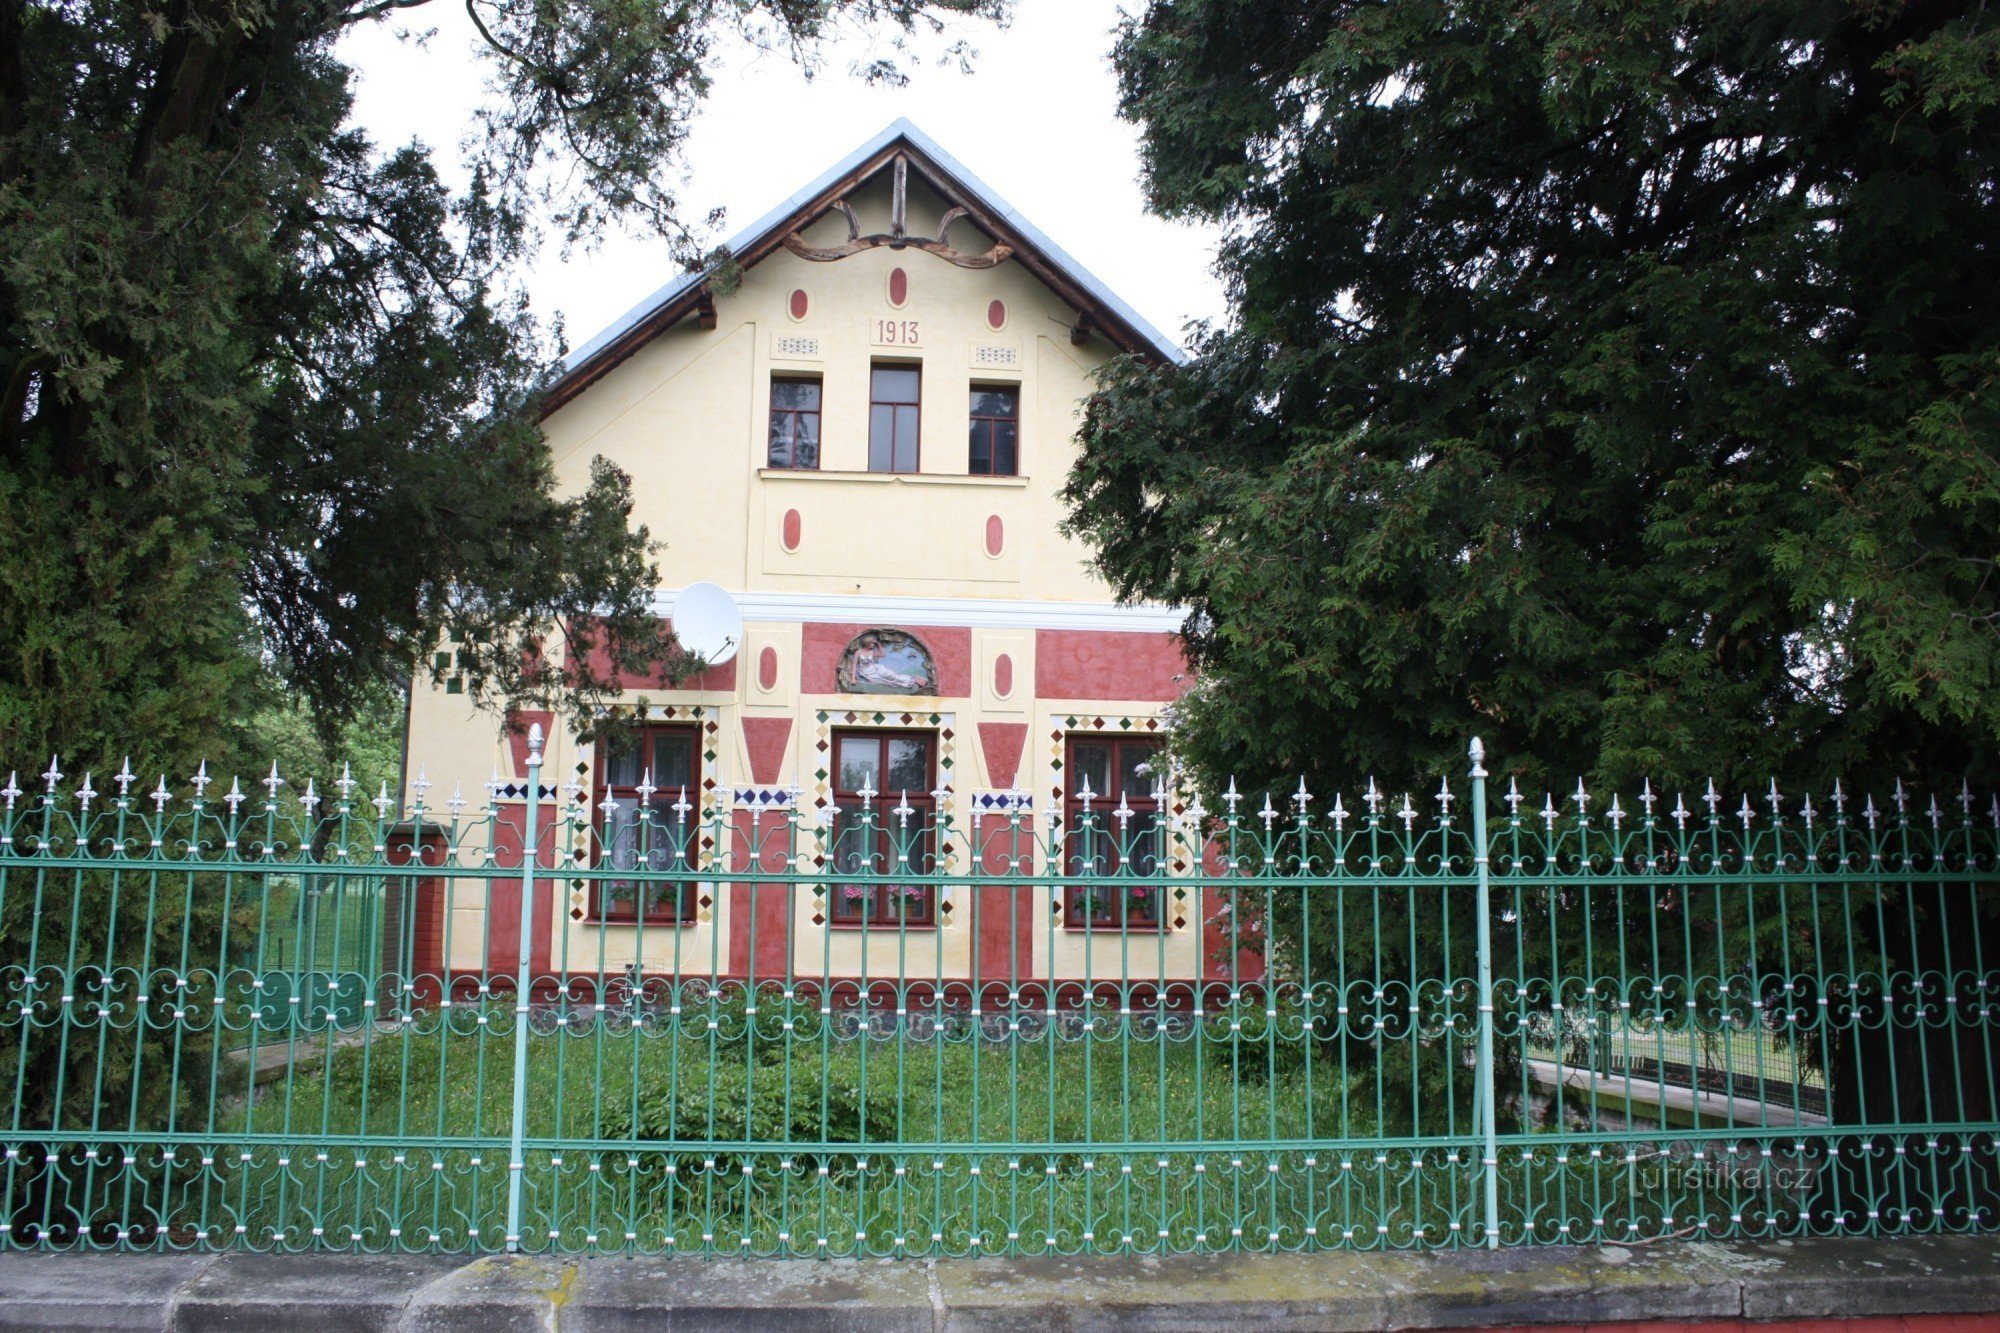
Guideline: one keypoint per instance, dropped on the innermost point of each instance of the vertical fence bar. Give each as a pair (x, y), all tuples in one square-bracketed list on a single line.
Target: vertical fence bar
[(523, 983), (1489, 1117)]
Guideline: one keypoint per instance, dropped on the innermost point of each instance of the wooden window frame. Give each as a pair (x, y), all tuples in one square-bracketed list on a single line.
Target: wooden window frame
[(686, 908), (882, 912), (817, 414), (1103, 837), (975, 420), (917, 458)]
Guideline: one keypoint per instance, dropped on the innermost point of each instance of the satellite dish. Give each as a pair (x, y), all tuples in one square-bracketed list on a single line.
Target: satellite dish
[(708, 623)]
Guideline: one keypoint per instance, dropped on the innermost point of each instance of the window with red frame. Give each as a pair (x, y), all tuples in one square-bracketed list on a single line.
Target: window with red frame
[(995, 447), (1117, 771), (877, 775), (646, 811)]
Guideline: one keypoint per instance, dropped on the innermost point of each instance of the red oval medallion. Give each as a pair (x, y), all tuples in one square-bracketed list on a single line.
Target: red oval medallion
[(996, 313), (800, 303), (792, 526), (996, 534), (899, 286), (767, 669), (1003, 675)]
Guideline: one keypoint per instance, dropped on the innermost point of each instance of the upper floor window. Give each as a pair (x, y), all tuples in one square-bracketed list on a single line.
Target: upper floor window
[(794, 422), (996, 431), (646, 807), (1113, 839), (894, 395)]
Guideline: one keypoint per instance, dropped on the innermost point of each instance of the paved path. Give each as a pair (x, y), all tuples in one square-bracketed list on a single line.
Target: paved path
[(1916, 1284)]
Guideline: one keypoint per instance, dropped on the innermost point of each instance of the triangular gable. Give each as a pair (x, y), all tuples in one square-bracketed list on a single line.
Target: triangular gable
[(900, 149)]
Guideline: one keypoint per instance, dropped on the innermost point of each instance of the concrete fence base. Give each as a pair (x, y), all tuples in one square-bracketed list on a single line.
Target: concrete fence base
[(1922, 1285)]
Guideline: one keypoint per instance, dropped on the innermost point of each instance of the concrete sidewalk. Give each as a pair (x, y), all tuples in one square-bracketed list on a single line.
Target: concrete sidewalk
[(1684, 1283)]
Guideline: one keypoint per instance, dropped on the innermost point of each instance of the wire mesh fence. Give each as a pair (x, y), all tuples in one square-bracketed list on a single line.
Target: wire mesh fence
[(660, 1020)]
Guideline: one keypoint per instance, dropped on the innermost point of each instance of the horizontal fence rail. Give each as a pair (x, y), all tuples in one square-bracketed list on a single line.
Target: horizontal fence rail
[(670, 1021)]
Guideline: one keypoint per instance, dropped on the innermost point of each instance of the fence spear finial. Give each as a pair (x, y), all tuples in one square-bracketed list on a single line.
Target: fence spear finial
[(201, 780), (273, 782), (534, 742), (311, 798), (160, 794), (54, 774), (125, 777), (235, 797), (346, 782)]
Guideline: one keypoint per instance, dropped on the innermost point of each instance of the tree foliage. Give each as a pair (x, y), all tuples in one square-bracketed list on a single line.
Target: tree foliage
[(268, 400), (266, 389), (1614, 381)]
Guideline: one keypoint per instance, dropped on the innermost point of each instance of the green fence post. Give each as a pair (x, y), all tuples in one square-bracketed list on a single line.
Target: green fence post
[(523, 984), (1489, 1118)]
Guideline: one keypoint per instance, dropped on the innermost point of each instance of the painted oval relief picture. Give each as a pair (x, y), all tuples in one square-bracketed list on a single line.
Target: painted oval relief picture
[(886, 661)]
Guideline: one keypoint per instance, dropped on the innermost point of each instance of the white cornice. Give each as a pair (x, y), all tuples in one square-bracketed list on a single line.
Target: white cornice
[(970, 612)]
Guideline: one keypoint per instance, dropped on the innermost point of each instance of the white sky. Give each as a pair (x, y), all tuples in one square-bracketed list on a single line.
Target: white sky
[(1036, 120)]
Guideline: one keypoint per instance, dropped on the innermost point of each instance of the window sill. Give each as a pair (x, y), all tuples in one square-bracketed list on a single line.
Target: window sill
[(1108, 928), (857, 927), (631, 923), (799, 474)]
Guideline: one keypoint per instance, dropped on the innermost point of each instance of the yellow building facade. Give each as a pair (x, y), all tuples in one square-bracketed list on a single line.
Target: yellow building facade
[(861, 439)]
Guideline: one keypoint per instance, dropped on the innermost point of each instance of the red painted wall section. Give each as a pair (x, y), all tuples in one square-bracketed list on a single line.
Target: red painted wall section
[(427, 913), (1003, 926), (764, 739), (518, 722), (503, 891), (951, 649), (715, 678), (1002, 742), (758, 914), (1109, 664), (1224, 925)]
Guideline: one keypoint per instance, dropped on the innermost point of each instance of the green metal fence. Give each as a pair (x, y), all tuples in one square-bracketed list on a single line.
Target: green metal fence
[(288, 1021)]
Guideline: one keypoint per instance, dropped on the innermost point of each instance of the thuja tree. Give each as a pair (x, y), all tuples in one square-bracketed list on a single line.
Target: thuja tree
[(1616, 382), (267, 394)]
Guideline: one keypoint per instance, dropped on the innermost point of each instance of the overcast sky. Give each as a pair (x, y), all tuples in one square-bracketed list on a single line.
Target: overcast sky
[(1036, 120)]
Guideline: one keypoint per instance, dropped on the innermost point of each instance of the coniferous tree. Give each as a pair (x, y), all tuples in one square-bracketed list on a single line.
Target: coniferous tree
[(1616, 382)]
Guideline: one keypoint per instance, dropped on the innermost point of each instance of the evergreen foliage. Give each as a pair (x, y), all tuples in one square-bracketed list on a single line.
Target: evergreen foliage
[(265, 385), (1613, 381), (268, 399)]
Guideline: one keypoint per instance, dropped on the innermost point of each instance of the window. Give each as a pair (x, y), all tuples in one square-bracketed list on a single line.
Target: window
[(996, 427), (894, 393), (875, 773), (794, 423), (647, 815), (1117, 771)]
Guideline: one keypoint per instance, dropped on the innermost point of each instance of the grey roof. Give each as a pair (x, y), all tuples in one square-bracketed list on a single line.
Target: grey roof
[(927, 147)]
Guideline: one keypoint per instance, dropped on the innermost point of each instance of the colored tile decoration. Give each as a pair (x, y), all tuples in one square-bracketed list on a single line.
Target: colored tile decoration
[(714, 801), (1182, 856), (944, 724), (761, 798)]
